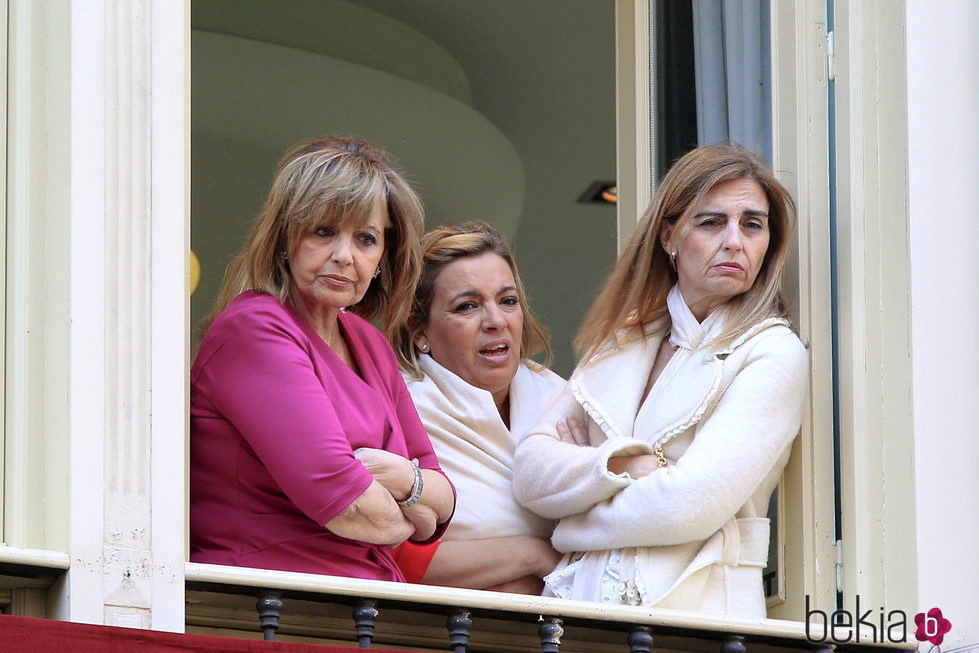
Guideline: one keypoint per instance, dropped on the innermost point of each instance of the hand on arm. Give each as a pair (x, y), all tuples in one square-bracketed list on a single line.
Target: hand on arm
[(373, 517), (396, 474), (637, 466), (554, 475), (572, 431), (519, 562)]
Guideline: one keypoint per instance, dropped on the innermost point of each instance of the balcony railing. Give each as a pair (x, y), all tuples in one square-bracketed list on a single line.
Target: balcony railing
[(347, 611)]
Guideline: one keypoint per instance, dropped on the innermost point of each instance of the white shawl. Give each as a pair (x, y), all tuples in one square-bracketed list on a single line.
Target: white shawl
[(475, 449)]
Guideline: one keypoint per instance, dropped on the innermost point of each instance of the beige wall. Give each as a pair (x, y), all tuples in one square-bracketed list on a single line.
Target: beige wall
[(253, 100), (511, 131)]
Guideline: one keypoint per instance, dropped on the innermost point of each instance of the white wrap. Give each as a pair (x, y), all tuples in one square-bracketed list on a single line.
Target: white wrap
[(475, 449)]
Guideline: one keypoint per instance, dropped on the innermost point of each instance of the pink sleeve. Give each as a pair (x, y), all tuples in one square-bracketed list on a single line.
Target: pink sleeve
[(262, 379)]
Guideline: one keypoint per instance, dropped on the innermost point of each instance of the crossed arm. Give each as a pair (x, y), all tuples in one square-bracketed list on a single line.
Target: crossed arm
[(377, 511), (742, 443), (262, 380)]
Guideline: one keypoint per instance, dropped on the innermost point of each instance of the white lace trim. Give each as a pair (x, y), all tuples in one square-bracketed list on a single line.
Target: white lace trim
[(619, 584)]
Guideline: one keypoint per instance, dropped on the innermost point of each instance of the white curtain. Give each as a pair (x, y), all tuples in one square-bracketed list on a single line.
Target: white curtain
[(733, 73)]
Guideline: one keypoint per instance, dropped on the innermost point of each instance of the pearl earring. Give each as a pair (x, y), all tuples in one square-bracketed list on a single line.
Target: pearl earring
[(424, 347)]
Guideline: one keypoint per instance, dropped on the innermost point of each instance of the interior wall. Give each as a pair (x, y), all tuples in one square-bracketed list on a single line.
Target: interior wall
[(543, 72), (255, 99), (510, 119)]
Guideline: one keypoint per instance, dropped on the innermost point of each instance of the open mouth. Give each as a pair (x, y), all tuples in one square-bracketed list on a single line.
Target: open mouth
[(500, 349)]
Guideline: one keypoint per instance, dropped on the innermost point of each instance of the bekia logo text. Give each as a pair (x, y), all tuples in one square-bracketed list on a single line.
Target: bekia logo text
[(878, 626), (842, 626)]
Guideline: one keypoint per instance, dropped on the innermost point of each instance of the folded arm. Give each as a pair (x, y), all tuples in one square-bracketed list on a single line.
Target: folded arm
[(261, 379), (744, 438), (514, 563), (373, 517), (396, 475), (555, 478)]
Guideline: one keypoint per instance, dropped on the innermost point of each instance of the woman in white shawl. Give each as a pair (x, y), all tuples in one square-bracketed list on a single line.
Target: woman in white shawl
[(690, 393), (465, 352)]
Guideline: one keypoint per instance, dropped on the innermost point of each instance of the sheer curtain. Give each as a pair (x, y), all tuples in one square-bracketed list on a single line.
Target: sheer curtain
[(732, 65)]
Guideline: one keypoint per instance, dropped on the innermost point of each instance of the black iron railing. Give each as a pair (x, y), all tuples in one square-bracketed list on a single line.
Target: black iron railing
[(400, 615)]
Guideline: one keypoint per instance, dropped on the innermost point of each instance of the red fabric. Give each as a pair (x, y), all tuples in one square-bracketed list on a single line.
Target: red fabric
[(24, 635), (414, 559)]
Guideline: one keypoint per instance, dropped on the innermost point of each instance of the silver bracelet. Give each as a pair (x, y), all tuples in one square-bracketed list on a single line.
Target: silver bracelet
[(416, 489)]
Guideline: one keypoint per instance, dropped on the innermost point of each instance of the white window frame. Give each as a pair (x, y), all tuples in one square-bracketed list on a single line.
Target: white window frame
[(877, 427), (871, 162), (3, 246), (97, 294)]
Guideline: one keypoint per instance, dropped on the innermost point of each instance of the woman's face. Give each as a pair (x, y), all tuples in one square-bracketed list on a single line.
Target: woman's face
[(720, 250), (476, 323), (332, 267)]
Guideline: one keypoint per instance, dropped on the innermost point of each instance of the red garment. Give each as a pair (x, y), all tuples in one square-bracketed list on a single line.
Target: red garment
[(29, 635), (275, 417), (414, 559)]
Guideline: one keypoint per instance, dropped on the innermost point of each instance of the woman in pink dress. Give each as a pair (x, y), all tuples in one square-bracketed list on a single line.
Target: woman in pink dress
[(306, 451)]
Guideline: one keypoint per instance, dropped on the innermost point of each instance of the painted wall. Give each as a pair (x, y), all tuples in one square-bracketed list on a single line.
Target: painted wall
[(252, 100), (541, 74), (943, 149)]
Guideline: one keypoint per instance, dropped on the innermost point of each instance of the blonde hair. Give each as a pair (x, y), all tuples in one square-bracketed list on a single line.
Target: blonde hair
[(635, 293), (440, 247), (321, 183)]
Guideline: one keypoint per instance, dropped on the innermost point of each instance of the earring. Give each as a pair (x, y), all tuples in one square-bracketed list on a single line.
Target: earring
[(284, 256), (424, 347), (377, 272)]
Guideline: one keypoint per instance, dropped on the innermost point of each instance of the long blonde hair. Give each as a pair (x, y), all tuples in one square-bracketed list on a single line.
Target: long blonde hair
[(440, 247), (320, 183), (635, 293)]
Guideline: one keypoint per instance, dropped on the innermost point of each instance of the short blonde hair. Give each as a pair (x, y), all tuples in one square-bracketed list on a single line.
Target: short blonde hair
[(440, 247), (321, 183), (635, 293)]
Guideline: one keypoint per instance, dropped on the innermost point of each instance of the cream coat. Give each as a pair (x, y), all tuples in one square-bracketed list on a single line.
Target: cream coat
[(692, 536), (475, 448)]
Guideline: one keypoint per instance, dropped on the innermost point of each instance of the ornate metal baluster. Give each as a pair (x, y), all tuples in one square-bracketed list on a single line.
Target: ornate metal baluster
[(459, 625), (640, 639), (365, 614), (269, 606), (550, 632), (734, 644)]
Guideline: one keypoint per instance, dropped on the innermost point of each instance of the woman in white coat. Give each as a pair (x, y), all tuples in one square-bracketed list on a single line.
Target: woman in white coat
[(685, 404), (465, 353)]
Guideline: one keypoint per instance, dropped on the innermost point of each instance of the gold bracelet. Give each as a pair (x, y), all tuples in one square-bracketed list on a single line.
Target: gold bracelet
[(661, 460)]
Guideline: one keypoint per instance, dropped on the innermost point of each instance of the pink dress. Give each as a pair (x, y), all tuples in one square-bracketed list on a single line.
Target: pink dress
[(275, 417)]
